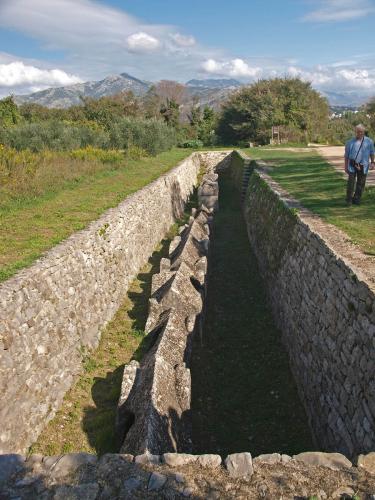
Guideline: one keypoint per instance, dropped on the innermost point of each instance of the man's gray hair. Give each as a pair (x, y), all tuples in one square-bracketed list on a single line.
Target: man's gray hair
[(360, 127)]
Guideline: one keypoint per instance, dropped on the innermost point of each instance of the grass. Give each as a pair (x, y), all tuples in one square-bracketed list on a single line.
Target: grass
[(243, 394), (315, 183), (30, 226)]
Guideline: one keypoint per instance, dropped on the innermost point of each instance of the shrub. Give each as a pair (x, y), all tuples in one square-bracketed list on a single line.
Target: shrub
[(103, 155), (193, 143), (9, 112), (54, 135), (153, 136)]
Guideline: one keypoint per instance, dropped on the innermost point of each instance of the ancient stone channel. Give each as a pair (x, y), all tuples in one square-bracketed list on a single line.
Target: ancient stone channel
[(252, 291)]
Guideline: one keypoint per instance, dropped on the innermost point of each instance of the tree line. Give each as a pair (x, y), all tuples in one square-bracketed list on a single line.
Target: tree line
[(167, 116)]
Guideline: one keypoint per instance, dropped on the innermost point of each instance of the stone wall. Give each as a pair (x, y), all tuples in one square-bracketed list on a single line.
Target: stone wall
[(53, 311), (321, 290), (154, 409), (173, 476)]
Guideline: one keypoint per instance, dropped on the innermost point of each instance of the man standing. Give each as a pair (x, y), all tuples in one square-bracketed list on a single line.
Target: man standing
[(358, 151)]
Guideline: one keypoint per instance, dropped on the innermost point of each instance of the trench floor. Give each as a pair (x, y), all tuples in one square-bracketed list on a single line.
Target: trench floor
[(244, 397)]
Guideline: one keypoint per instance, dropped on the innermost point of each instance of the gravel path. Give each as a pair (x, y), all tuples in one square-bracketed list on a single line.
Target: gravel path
[(335, 156)]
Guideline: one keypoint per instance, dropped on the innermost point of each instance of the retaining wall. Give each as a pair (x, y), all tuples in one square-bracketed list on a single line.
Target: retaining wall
[(321, 290), (52, 312)]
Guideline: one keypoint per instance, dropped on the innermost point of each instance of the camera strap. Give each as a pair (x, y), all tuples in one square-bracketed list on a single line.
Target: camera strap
[(360, 147)]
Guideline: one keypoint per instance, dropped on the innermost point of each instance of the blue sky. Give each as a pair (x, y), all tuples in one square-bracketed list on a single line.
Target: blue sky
[(47, 43)]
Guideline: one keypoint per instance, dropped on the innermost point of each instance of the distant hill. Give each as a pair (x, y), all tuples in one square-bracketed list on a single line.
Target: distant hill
[(212, 83), (211, 92), (347, 99), (63, 97)]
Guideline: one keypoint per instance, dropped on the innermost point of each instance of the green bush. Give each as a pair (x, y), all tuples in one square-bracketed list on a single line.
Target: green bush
[(147, 136), (54, 135), (193, 143), (153, 136)]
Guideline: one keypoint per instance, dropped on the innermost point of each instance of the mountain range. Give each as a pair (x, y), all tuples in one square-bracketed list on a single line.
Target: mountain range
[(211, 92), (208, 92)]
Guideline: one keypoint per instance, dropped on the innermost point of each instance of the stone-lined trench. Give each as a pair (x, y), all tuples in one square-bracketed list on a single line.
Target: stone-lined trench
[(243, 394)]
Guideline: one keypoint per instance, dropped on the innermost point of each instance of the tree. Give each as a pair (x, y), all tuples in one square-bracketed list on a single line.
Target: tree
[(249, 114), (170, 111), (203, 122), (370, 112), (9, 113), (105, 109), (170, 90), (33, 112)]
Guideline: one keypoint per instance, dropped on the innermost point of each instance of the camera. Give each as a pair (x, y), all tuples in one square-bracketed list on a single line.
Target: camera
[(357, 166)]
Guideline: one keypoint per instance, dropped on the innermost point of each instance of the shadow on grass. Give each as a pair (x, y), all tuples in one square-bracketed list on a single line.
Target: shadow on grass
[(244, 396), (321, 189)]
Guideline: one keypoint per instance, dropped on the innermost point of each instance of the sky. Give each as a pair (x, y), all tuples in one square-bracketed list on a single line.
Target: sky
[(45, 43)]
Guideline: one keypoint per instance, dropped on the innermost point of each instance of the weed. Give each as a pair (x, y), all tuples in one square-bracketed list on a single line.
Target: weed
[(102, 231)]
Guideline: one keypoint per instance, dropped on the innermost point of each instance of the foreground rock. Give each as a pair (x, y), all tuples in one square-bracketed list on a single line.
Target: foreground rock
[(178, 476)]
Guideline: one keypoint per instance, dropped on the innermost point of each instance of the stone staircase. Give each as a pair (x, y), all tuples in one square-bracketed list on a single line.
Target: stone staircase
[(247, 168)]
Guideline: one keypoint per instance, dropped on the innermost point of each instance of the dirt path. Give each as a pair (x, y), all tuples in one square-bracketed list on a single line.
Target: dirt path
[(335, 156)]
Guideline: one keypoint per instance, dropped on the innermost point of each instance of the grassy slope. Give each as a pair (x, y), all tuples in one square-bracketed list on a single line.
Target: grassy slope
[(243, 394), (310, 179), (30, 227)]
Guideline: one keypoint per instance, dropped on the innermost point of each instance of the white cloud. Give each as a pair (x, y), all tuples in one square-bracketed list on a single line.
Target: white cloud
[(340, 10), (142, 42), (17, 74), (236, 68), (97, 40), (332, 78), (183, 40)]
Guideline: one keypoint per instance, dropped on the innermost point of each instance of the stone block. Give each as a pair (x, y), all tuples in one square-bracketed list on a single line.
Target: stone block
[(209, 460), (179, 459), (156, 481), (68, 464), (147, 458), (367, 462), (334, 461), (239, 465), (268, 458)]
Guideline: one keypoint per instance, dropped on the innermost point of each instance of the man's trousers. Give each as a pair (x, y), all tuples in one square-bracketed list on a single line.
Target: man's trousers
[(356, 184)]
